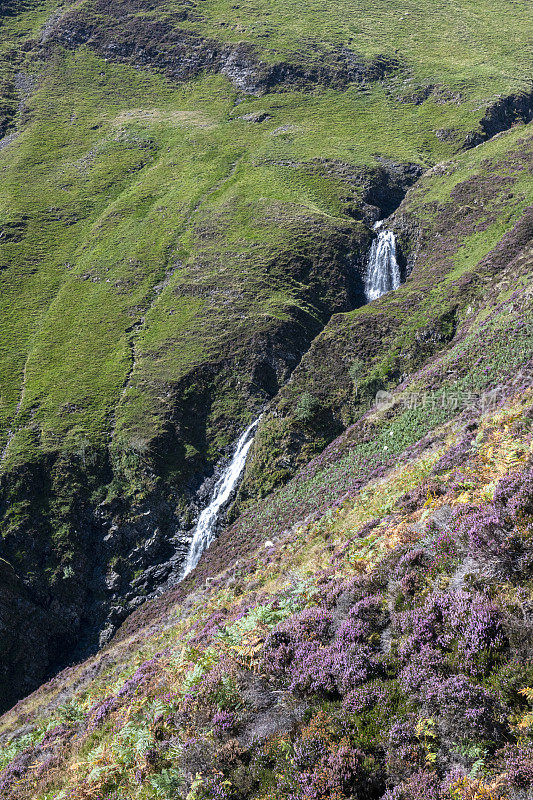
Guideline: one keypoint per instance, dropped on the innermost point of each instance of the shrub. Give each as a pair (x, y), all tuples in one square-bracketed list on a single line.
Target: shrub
[(514, 496), (464, 626), (455, 456), (423, 785), (356, 371), (404, 750), (304, 649), (486, 536), (307, 408), (334, 775), (519, 765), (224, 723), (463, 710), (501, 530), (311, 626)]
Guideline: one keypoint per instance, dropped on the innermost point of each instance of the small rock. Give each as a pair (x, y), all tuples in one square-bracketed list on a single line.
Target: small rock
[(112, 581), (442, 516), (256, 116)]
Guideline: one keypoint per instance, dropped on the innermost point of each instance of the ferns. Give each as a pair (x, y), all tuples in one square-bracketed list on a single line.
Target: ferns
[(203, 662), (132, 741), (68, 712), (526, 722), (159, 708), (528, 694), (266, 616), (167, 783), (15, 746)]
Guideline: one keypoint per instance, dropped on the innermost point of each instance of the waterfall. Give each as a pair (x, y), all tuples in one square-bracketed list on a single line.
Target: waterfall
[(205, 529), (383, 271)]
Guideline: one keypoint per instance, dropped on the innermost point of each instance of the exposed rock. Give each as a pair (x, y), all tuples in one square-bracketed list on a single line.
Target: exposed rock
[(502, 115), (256, 116), (129, 37), (441, 517), (25, 632)]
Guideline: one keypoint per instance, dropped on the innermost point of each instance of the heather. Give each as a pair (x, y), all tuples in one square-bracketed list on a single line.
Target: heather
[(188, 199), (386, 662)]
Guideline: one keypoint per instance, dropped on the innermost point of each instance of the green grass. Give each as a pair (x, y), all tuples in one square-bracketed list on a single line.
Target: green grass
[(476, 45), (119, 160), (136, 182)]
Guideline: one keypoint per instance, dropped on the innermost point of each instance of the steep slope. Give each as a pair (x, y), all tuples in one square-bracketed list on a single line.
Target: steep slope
[(449, 229), (378, 648), (184, 204)]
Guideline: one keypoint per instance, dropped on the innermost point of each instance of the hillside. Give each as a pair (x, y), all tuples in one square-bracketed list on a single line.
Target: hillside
[(385, 640), (187, 199)]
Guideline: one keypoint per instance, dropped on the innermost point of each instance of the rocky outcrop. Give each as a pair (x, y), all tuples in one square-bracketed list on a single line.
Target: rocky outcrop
[(502, 115), (128, 37), (371, 193), (26, 631)]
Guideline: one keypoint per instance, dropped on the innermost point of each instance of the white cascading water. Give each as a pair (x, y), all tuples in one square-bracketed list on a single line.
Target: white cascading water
[(383, 271), (205, 530)]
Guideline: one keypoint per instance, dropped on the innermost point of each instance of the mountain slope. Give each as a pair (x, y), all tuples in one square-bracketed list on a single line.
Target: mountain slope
[(450, 227), (380, 648), (187, 197)]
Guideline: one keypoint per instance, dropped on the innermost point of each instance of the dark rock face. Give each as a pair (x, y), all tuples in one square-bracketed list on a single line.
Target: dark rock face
[(378, 190), (501, 116), (389, 190), (179, 54), (25, 633)]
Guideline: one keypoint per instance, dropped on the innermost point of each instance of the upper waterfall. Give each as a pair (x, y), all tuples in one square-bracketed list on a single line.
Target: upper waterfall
[(383, 271), (205, 529)]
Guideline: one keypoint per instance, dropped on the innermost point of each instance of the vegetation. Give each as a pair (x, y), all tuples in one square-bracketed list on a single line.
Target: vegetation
[(466, 205), (401, 659), (186, 208)]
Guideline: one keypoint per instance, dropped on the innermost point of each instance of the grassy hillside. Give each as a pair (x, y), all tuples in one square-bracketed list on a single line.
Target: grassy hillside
[(136, 181), (124, 184), (186, 200)]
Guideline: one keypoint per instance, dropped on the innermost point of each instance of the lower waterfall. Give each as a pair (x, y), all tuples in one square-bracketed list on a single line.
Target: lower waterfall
[(383, 271), (205, 529)]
